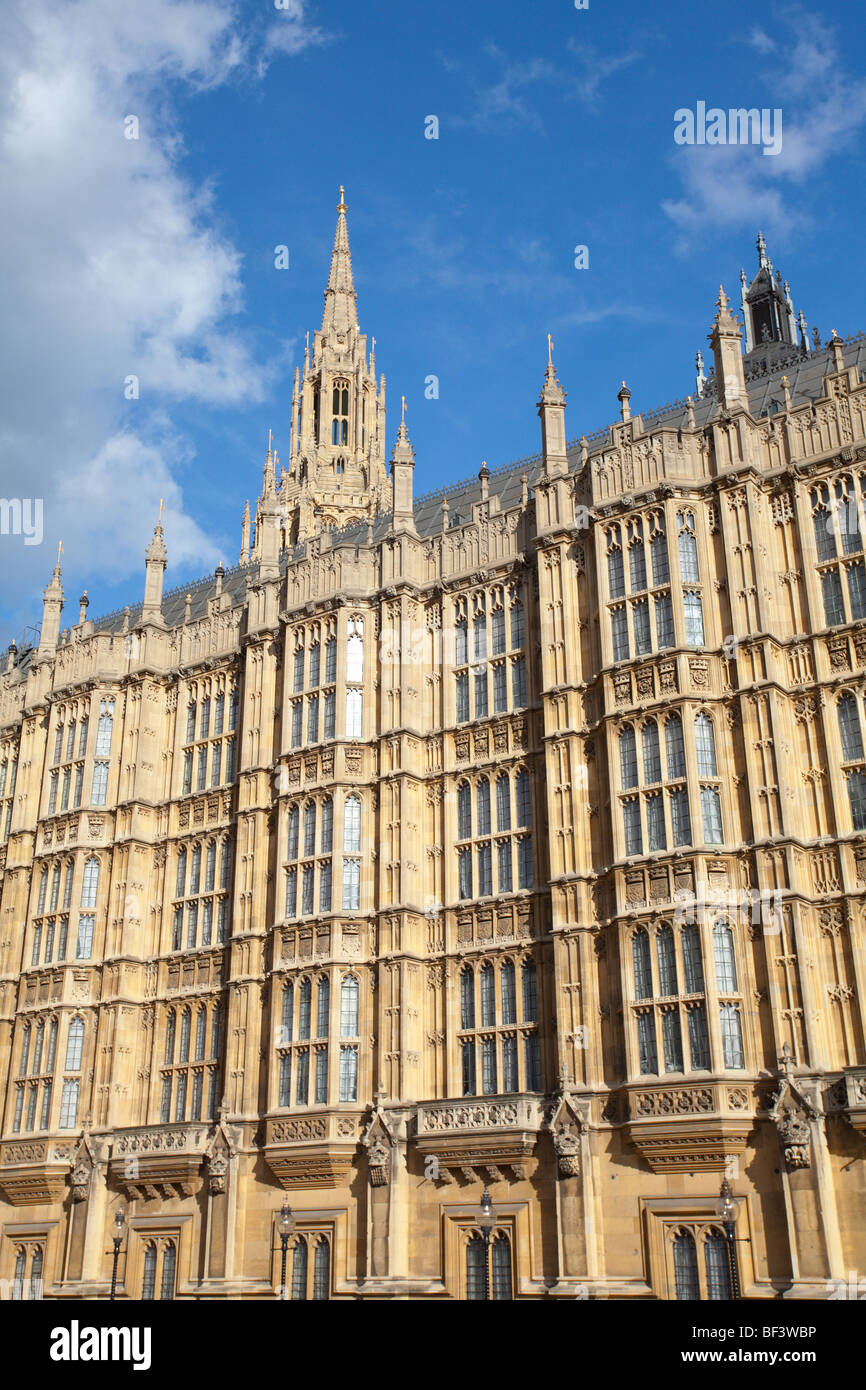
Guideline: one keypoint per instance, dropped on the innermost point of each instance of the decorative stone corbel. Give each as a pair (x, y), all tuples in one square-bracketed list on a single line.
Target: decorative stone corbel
[(216, 1159), (792, 1114), (568, 1120), (379, 1142), (83, 1164)]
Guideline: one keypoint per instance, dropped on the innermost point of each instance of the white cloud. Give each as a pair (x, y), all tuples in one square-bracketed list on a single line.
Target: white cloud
[(292, 30), (823, 110), (111, 263), (509, 99)]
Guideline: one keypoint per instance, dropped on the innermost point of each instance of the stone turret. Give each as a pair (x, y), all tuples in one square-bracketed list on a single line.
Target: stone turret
[(551, 411), (402, 472), (52, 606), (725, 341), (154, 563)]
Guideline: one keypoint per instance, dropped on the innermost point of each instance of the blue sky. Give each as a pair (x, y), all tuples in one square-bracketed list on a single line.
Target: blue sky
[(155, 257)]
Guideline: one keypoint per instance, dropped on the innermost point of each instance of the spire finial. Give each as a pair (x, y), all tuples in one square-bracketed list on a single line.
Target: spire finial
[(403, 417), (762, 249), (549, 351), (341, 206)]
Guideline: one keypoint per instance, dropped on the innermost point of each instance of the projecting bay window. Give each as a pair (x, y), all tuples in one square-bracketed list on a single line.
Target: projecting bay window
[(497, 844), (303, 1040), (494, 665), (670, 1009), (498, 1036), (647, 610), (655, 809), (208, 755), (189, 1072), (837, 514), (36, 1064), (306, 865), (200, 912)]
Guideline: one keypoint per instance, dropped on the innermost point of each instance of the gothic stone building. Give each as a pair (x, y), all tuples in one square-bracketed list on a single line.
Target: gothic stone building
[(510, 837)]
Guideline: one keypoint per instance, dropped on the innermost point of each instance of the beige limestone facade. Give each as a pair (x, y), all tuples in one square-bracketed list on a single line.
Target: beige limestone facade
[(510, 837)]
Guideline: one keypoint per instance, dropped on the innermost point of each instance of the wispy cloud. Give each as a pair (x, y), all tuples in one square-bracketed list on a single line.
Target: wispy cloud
[(824, 110), (293, 30), (510, 94)]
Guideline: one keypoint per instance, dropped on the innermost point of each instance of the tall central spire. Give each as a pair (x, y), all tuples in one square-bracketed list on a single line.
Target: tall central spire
[(341, 306), (336, 471)]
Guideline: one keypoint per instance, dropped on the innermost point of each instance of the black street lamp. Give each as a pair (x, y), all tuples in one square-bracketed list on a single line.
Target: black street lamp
[(117, 1240), (287, 1225), (728, 1213), (487, 1221)]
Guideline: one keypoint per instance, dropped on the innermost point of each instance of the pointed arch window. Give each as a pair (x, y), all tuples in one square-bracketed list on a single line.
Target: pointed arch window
[(615, 568), (299, 1270), (676, 755), (686, 1267), (464, 811), (104, 728), (90, 883), (849, 730), (705, 746), (507, 988), (718, 1267), (482, 801), (36, 1273), (340, 411), (530, 992), (148, 1283), (643, 984), (349, 1007), (310, 828), (628, 758), (20, 1270), (476, 1272), (688, 549), (304, 1000), (74, 1045), (503, 803), (352, 825), (667, 961), (488, 997), (322, 1269), (323, 1006), (524, 800), (467, 998), (652, 767)]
